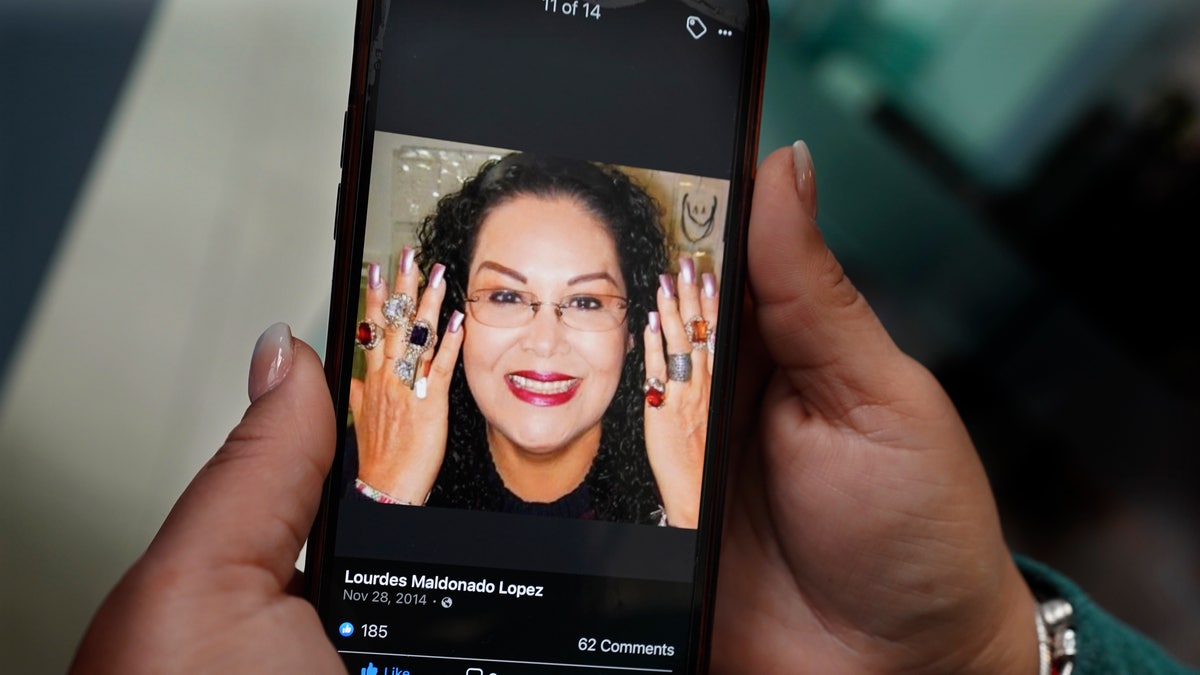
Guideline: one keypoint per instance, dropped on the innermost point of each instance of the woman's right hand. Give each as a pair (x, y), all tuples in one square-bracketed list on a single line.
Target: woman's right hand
[(861, 535), (401, 428)]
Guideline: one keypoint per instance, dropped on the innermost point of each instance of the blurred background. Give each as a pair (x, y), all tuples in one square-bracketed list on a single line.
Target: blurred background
[(1011, 183)]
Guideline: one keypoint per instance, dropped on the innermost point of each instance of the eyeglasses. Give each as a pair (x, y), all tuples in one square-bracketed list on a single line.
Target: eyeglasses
[(506, 308)]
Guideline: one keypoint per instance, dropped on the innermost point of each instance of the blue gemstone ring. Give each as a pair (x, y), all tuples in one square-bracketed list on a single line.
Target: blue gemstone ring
[(421, 336), (421, 339)]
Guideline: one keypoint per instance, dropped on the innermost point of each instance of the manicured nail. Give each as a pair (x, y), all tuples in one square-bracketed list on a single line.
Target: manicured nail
[(421, 388), (456, 320), (687, 270), (710, 285), (653, 321), (436, 275), (806, 181), (407, 256), (271, 361), (667, 284), (374, 278)]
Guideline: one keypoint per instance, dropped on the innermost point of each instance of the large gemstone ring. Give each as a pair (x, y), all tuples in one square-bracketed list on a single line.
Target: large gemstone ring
[(697, 332), (421, 339), (366, 335), (656, 392), (399, 309)]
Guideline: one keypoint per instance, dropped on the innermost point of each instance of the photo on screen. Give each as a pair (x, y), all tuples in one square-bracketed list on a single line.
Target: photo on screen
[(535, 334)]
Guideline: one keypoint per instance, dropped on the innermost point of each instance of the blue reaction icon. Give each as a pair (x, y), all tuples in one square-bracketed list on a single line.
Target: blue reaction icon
[(369, 669), (346, 629)]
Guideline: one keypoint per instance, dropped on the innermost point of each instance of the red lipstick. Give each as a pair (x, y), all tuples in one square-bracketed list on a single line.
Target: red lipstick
[(542, 389)]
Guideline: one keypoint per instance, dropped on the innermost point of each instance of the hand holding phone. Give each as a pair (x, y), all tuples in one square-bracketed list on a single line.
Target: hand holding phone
[(859, 509), (217, 582), (536, 405), (614, 593)]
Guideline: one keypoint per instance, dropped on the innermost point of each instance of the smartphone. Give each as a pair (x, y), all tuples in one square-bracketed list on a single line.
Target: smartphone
[(537, 283)]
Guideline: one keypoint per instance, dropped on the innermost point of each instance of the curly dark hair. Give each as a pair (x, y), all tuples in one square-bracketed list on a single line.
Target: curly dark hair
[(620, 482)]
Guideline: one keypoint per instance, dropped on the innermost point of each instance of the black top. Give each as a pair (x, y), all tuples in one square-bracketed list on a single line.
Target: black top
[(576, 504)]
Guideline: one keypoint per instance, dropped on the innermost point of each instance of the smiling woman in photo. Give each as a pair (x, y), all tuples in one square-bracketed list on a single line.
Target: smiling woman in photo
[(534, 354)]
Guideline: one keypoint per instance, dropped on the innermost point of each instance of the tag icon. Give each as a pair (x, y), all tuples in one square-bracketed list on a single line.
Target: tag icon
[(695, 26)]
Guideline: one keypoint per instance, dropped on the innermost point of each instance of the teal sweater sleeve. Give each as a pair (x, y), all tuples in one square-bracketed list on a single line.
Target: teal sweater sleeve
[(1105, 645)]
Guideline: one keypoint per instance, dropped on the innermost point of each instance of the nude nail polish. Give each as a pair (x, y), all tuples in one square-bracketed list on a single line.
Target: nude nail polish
[(806, 182), (271, 361)]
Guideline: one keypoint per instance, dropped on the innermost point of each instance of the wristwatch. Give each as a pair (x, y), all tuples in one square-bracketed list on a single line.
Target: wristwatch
[(1056, 637)]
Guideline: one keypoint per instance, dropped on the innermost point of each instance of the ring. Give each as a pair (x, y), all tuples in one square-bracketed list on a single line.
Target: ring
[(656, 392), (712, 341), (679, 367), (697, 332), (399, 309), (366, 336), (421, 339)]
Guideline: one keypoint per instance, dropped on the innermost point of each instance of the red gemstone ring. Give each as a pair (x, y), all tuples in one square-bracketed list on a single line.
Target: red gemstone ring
[(366, 335), (656, 392)]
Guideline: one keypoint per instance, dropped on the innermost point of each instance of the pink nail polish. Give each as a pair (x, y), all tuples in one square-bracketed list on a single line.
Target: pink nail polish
[(653, 321), (710, 285), (407, 256), (667, 284), (436, 275), (374, 278), (271, 361), (687, 270), (456, 321)]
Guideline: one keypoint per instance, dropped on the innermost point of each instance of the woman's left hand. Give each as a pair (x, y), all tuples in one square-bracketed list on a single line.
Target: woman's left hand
[(217, 591), (681, 378)]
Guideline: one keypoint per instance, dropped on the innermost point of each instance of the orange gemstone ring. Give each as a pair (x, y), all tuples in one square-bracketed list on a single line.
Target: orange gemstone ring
[(697, 332)]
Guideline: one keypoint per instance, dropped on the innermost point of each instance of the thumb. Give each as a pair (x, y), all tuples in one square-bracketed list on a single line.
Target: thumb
[(816, 325), (255, 500)]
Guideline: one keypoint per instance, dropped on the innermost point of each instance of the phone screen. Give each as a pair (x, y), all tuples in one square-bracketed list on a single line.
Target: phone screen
[(538, 278)]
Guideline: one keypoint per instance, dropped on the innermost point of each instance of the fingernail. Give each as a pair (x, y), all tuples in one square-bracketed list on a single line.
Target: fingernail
[(374, 278), (407, 255), (710, 285), (271, 361), (456, 320), (667, 284), (652, 320), (436, 275), (421, 388), (687, 270), (806, 181)]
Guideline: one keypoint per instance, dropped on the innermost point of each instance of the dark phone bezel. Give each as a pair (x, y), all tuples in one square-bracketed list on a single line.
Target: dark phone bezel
[(349, 229)]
